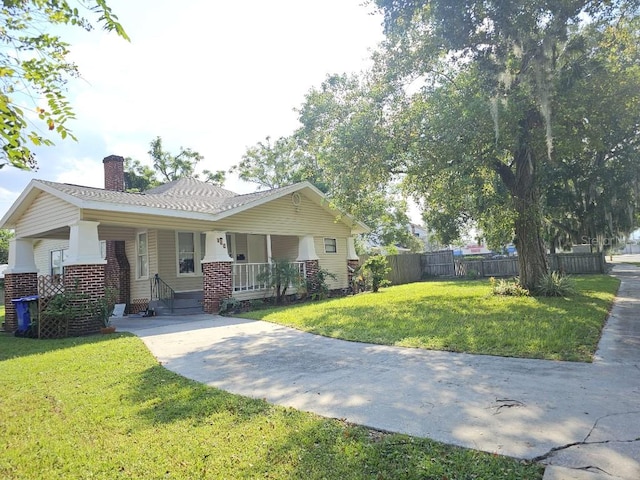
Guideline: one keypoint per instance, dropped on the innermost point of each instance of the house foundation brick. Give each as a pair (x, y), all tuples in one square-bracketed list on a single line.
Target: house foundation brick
[(217, 284), (352, 266), (312, 267), (89, 282), (17, 285)]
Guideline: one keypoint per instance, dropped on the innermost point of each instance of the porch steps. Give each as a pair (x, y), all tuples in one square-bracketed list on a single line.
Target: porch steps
[(184, 303)]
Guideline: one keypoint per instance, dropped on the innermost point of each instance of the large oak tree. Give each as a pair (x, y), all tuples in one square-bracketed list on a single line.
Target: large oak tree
[(489, 71)]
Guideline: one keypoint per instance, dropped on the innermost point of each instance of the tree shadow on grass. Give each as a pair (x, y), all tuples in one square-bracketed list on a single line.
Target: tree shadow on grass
[(16, 347), (166, 397), (332, 449)]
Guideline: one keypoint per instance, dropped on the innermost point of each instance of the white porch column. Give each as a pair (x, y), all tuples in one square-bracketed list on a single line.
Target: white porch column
[(269, 248), (217, 273), (306, 249), (84, 244), (351, 249), (216, 249), (21, 258)]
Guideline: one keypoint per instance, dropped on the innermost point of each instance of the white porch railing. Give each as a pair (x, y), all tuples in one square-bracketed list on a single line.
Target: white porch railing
[(246, 276)]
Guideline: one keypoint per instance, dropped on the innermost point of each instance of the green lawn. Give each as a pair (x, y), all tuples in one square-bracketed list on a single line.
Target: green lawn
[(101, 407), (462, 316)]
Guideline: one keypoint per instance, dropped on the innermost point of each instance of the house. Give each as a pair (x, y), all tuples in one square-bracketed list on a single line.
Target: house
[(185, 236)]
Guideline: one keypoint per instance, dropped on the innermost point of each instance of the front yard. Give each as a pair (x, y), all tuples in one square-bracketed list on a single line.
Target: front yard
[(101, 407), (462, 316)]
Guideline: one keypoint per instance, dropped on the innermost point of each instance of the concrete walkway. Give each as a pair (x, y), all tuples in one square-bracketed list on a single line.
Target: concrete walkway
[(581, 420)]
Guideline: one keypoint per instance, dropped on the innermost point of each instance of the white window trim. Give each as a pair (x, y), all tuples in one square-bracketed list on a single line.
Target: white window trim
[(324, 244), (138, 276), (198, 254), (61, 250), (231, 246)]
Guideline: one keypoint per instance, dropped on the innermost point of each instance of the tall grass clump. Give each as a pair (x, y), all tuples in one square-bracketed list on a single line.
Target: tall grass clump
[(508, 288), (556, 284)]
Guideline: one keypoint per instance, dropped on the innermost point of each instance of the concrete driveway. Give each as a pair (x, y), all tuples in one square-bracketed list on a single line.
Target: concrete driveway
[(581, 419)]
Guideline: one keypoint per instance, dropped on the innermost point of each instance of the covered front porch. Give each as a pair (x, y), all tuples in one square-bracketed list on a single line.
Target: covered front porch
[(253, 256), (232, 268)]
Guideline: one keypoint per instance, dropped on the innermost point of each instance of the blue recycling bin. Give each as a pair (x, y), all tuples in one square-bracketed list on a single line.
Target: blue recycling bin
[(23, 311)]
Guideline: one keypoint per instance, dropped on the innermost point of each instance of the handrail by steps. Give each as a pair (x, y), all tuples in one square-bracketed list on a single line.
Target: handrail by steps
[(160, 290)]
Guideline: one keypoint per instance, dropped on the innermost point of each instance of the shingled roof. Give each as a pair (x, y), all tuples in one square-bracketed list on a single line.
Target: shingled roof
[(185, 194)]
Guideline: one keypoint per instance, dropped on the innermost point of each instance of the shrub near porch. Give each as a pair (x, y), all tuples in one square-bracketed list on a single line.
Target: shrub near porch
[(462, 316)]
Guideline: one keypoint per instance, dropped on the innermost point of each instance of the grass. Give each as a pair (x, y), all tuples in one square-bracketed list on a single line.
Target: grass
[(101, 407), (462, 316)]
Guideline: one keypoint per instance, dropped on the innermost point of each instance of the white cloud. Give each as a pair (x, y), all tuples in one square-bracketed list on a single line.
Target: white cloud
[(213, 76)]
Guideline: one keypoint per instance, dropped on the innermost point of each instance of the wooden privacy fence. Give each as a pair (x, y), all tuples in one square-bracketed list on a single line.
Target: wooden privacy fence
[(578, 263), (408, 268), (438, 264), (570, 263), (502, 267)]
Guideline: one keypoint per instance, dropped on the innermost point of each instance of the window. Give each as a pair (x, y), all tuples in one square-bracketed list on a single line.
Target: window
[(58, 257), (330, 245), (186, 253), (142, 255)]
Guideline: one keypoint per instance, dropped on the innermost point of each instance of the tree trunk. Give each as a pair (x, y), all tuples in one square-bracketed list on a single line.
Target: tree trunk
[(532, 255)]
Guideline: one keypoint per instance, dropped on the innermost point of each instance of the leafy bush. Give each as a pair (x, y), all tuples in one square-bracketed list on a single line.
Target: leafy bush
[(317, 285), (375, 270), (229, 305), (257, 303), (472, 274), (556, 284), (280, 275), (508, 288)]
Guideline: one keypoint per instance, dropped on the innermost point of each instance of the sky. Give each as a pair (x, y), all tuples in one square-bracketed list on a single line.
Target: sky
[(216, 77)]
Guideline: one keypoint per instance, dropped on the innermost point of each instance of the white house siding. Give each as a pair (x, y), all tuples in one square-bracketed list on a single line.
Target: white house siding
[(46, 213), (108, 232), (140, 288), (167, 264), (334, 262), (286, 222), (142, 221), (42, 253), (241, 247), (284, 247), (281, 217)]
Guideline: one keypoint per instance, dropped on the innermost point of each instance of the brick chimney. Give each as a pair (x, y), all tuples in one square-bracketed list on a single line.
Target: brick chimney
[(117, 270), (114, 173)]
